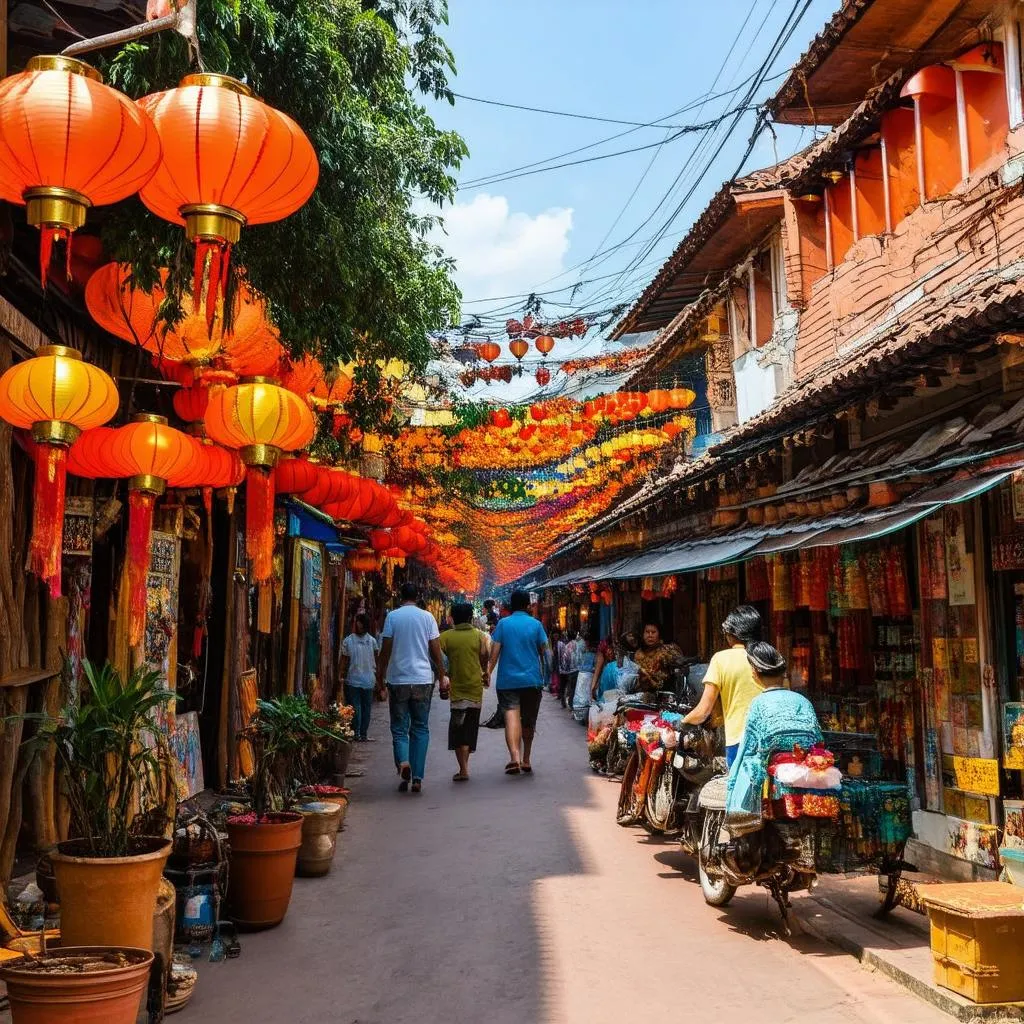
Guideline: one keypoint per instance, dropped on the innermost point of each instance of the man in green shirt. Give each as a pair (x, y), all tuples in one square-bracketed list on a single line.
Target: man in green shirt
[(466, 649)]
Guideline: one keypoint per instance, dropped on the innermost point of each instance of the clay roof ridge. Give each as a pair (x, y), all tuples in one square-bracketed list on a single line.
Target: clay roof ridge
[(820, 47)]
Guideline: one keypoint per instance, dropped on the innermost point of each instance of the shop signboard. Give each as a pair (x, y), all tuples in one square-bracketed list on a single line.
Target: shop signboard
[(976, 775)]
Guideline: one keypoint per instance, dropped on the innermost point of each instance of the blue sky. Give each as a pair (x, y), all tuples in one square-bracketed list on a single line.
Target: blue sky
[(635, 61)]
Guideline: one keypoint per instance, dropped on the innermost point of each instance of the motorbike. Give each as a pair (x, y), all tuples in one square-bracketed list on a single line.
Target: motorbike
[(661, 780), (778, 856)]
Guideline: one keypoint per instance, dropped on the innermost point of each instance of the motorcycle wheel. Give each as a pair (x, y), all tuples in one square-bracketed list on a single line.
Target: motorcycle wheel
[(631, 804), (661, 799), (716, 890)]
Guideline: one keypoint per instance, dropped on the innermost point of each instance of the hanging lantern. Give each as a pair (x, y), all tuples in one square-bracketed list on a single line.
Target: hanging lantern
[(543, 376), (229, 160), (68, 142), (152, 455), (490, 350), (251, 346), (681, 398), (56, 395), (500, 418), (292, 476), (659, 400), (519, 347), (545, 343), (190, 403), (361, 560), (261, 420)]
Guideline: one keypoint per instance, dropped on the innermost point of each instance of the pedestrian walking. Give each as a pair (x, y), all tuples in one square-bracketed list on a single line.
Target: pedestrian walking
[(519, 649), (565, 653), (359, 671), (410, 660), (466, 649)]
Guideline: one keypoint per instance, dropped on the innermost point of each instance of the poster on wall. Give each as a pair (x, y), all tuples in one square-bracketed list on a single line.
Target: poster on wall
[(162, 613), (1013, 827), (1013, 736), (971, 841), (959, 564), (188, 755), (933, 562), (78, 517)]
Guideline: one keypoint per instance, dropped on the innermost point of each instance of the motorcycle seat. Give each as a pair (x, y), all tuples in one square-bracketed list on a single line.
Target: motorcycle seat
[(713, 794)]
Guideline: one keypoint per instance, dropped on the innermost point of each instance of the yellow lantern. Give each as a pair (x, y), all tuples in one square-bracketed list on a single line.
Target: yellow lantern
[(56, 395)]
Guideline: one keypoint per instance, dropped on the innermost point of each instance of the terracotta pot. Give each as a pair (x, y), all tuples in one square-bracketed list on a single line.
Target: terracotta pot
[(109, 901), (104, 997), (262, 868), (319, 838)]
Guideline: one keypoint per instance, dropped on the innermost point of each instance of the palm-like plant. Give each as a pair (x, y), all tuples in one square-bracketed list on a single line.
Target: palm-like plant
[(111, 756), (285, 733)]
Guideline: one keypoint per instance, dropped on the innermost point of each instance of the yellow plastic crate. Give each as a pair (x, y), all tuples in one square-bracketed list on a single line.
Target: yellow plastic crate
[(977, 931)]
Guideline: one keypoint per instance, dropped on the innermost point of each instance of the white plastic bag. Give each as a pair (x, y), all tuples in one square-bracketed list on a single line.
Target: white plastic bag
[(799, 776)]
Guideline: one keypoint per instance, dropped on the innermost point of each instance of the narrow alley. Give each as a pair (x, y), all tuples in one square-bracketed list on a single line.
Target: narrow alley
[(520, 900)]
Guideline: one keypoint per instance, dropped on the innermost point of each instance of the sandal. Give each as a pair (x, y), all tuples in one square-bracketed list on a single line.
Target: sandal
[(417, 785), (512, 768), (459, 777), (526, 769), (406, 772)]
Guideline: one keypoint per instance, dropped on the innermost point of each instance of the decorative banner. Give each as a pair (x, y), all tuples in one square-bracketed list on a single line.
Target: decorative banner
[(976, 775), (1013, 736), (959, 564), (188, 756)]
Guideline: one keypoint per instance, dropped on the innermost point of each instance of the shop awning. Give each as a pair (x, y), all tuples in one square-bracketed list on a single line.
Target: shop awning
[(687, 557), (954, 491), (869, 528)]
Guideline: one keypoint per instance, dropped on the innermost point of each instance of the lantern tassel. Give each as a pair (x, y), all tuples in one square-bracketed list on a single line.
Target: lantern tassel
[(259, 522), (213, 286), (140, 530), (48, 234), (48, 519)]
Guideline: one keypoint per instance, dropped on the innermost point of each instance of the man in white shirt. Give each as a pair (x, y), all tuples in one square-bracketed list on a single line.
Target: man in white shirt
[(410, 660), (359, 671)]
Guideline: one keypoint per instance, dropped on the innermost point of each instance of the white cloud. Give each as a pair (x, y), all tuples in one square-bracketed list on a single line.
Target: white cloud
[(498, 252)]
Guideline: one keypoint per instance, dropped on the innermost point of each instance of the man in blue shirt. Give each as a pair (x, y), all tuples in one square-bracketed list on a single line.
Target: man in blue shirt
[(519, 649)]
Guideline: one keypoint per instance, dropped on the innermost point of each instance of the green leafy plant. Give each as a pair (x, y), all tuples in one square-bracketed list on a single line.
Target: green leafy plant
[(113, 761), (286, 734)]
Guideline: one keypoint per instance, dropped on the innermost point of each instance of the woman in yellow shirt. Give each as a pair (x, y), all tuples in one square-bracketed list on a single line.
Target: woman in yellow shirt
[(730, 677)]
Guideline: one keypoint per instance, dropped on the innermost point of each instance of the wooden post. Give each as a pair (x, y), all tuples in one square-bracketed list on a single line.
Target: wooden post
[(229, 674)]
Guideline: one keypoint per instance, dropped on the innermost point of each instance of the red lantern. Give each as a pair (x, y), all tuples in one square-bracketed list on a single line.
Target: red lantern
[(545, 343), (518, 347), (658, 400), (380, 540), (69, 142), (228, 160), (543, 376), (500, 418), (490, 350)]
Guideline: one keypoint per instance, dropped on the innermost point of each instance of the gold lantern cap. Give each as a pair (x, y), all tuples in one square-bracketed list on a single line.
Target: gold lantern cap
[(58, 62), (211, 79), (149, 417)]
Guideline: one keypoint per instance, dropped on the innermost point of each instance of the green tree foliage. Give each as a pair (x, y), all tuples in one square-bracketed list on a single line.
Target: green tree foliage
[(351, 275)]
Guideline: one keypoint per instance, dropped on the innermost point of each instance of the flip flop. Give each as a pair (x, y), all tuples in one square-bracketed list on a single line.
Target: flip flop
[(512, 768), (459, 777)]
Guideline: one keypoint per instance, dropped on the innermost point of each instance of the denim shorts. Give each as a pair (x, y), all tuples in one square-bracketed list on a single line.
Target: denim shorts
[(527, 700)]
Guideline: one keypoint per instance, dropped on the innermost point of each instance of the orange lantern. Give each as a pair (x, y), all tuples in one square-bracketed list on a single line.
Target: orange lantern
[(261, 420), (543, 376), (545, 344), (681, 398), (380, 540), (134, 315), (56, 395), (293, 476), (229, 160), (68, 142), (190, 403), (490, 350), (88, 456), (659, 400), (519, 347), (361, 560), (152, 455)]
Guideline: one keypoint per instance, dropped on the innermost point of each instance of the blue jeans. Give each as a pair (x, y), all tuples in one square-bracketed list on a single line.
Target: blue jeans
[(410, 725), (361, 698)]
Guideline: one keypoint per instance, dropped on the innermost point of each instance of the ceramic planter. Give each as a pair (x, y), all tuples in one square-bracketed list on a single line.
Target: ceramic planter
[(319, 838), (329, 795), (262, 867), (109, 996), (109, 901)]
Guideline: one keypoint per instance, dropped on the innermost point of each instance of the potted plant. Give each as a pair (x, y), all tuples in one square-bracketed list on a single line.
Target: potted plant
[(338, 748), (284, 734), (78, 983), (115, 769)]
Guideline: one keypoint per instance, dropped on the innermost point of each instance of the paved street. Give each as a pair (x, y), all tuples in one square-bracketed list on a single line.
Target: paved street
[(519, 900)]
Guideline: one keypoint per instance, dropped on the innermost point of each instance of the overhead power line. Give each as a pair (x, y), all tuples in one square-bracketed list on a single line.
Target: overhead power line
[(565, 113)]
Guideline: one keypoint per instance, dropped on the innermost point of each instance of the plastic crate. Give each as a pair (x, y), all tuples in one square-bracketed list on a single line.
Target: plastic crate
[(977, 939)]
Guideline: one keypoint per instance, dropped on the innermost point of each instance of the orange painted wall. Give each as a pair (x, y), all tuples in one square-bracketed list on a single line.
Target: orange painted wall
[(869, 191), (840, 219), (988, 117), (901, 158)]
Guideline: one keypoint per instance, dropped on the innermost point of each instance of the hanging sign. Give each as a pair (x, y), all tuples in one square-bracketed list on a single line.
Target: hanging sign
[(977, 775), (1013, 736)]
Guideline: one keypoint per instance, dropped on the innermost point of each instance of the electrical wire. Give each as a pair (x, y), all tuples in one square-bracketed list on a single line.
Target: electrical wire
[(563, 113)]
